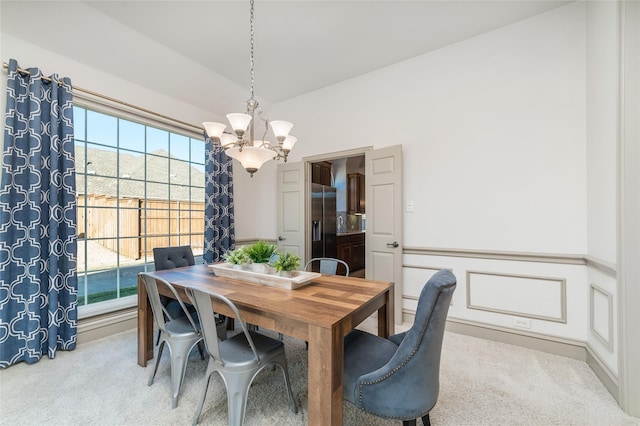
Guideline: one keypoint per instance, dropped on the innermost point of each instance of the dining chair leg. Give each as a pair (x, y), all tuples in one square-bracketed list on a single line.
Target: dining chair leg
[(207, 379), (237, 391), (282, 363), (155, 367), (425, 420), (179, 356), (201, 349), (409, 422)]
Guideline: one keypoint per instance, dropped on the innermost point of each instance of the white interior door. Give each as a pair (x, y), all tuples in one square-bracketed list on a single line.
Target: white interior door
[(383, 174), (291, 208)]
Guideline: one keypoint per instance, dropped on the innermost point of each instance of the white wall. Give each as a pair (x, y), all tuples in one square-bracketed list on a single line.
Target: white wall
[(602, 87), (493, 133), (494, 137)]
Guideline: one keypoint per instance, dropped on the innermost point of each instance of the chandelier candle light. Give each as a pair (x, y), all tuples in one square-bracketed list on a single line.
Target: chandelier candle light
[(251, 153)]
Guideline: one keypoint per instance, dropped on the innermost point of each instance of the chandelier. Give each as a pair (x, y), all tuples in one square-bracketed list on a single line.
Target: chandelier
[(250, 152)]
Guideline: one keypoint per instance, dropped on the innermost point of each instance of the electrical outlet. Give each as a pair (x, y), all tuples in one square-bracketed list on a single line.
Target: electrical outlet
[(409, 206), (521, 322)]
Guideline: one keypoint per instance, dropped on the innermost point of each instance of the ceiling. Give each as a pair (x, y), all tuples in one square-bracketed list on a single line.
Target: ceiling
[(300, 46)]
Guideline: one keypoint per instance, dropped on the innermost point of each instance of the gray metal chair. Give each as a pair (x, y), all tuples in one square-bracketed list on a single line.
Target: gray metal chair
[(180, 334), (328, 265), (238, 359), (398, 378)]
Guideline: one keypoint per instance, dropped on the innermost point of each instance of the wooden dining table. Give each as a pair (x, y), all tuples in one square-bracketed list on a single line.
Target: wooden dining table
[(321, 313)]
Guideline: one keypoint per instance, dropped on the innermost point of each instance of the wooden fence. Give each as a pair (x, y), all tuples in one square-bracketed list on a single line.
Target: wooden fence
[(143, 225)]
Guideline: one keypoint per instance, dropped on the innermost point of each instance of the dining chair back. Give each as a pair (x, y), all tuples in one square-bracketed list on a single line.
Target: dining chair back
[(238, 359), (328, 265), (399, 377), (181, 334), (172, 257), (177, 257)]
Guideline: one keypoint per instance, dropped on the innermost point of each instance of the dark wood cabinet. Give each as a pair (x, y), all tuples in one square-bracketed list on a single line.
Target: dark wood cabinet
[(355, 193), (321, 173), (351, 249)]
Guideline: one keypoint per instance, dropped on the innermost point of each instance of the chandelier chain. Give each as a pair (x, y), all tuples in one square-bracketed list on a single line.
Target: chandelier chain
[(251, 34), (240, 144)]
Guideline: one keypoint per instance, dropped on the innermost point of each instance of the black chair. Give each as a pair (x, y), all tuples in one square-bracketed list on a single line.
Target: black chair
[(398, 378), (169, 258), (177, 257)]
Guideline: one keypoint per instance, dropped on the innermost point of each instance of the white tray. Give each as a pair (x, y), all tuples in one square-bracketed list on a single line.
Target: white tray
[(299, 278)]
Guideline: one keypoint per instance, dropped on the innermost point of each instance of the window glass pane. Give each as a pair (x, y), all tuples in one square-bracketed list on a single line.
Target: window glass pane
[(82, 286), (131, 165), (102, 219), (102, 128), (80, 160), (179, 146), (197, 196), (157, 169), (157, 194), (79, 124), (180, 172), (129, 228), (131, 135), (101, 261), (129, 279), (101, 161), (103, 189), (178, 193), (197, 177), (197, 153), (131, 189), (157, 141)]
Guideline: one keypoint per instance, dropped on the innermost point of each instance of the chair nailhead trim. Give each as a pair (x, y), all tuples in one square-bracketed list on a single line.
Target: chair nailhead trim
[(392, 372)]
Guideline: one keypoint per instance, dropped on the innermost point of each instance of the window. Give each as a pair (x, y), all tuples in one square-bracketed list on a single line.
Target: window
[(139, 187)]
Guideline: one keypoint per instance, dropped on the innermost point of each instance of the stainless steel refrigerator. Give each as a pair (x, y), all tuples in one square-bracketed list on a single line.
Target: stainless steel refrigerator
[(323, 221)]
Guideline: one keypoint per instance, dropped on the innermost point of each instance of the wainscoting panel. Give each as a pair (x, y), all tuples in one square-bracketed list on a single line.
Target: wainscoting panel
[(541, 298), (601, 314), (414, 277)]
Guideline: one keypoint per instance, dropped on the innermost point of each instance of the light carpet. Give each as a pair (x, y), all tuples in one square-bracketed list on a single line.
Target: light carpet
[(482, 383)]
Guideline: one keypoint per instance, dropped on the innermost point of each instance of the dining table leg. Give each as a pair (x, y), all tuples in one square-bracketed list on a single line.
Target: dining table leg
[(326, 365), (145, 326), (386, 316)]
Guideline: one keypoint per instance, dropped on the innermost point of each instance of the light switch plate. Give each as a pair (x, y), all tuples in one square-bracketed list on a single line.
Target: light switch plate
[(409, 206)]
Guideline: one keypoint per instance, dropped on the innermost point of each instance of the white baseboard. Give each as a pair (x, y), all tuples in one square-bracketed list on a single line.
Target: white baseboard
[(603, 373), (552, 345), (99, 326)]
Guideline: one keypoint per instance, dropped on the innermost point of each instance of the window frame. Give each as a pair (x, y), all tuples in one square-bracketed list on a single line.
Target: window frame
[(147, 119)]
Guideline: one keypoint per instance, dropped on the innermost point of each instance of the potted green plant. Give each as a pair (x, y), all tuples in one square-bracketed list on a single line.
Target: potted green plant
[(237, 257), (286, 264), (260, 254)]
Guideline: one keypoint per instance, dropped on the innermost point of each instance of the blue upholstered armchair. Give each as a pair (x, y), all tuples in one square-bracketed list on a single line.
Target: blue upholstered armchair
[(398, 378)]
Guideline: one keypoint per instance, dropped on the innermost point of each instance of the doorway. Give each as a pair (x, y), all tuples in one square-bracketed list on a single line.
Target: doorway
[(343, 235)]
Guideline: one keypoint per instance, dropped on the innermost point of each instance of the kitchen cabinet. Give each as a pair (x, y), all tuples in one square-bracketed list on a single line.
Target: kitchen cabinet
[(321, 173), (355, 193), (351, 249)]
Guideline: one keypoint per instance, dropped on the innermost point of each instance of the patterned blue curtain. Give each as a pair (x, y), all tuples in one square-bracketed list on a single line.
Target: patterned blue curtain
[(38, 232), (219, 228)]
